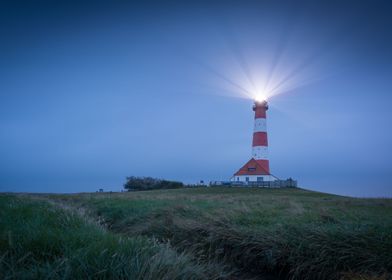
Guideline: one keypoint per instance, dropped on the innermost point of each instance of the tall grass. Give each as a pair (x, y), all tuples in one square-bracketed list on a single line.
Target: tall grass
[(39, 241), (287, 233)]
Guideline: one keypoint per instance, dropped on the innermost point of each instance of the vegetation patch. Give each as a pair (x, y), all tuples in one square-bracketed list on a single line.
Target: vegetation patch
[(134, 183), (38, 240), (226, 233), (279, 233)]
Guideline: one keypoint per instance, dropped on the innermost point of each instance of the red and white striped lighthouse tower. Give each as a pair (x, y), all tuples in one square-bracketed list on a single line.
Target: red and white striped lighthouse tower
[(260, 139), (257, 168)]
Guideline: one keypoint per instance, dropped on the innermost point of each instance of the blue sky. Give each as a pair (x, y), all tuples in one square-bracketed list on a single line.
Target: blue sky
[(92, 92)]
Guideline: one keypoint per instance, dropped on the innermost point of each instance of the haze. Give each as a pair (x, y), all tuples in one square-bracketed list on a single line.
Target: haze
[(91, 93)]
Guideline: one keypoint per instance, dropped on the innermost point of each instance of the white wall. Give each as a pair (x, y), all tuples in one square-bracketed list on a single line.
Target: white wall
[(260, 152), (252, 178), (260, 125)]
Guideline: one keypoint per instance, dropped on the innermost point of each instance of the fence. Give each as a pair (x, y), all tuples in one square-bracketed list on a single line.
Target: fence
[(289, 183)]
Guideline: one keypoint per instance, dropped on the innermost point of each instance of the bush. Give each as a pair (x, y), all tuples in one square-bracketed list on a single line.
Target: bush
[(134, 183)]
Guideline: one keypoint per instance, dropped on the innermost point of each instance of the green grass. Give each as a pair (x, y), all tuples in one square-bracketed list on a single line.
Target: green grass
[(40, 241), (251, 232)]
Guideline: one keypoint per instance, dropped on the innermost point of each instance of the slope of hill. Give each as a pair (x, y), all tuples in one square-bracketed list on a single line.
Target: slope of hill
[(243, 233)]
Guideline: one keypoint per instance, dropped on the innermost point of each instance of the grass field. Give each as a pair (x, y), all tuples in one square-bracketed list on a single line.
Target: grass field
[(201, 233)]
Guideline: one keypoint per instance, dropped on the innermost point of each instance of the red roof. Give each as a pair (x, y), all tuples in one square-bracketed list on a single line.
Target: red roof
[(254, 167)]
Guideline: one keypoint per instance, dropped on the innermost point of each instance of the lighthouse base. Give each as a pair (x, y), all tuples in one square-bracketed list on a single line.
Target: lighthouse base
[(253, 178), (272, 183)]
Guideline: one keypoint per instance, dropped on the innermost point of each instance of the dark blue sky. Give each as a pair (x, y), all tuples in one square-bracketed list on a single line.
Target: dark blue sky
[(94, 91)]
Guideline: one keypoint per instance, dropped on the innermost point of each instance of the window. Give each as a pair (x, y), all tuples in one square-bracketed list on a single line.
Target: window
[(247, 179), (238, 178), (251, 168), (260, 179)]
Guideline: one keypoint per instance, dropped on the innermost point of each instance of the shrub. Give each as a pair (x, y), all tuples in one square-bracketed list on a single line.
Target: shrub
[(134, 183)]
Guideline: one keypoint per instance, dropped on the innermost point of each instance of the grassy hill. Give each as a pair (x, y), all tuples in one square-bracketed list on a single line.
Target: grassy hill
[(203, 233)]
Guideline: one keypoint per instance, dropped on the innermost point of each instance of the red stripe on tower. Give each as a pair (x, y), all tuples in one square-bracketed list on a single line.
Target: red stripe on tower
[(259, 112), (260, 139)]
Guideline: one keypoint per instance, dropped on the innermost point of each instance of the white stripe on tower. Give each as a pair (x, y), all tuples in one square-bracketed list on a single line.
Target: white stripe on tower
[(260, 125), (260, 139), (260, 152)]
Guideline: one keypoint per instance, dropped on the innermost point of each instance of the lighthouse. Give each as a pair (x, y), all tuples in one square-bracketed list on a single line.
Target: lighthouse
[(257, 169)]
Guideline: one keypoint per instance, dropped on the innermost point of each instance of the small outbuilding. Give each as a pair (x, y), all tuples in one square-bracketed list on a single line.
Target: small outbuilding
[(253, 171)]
